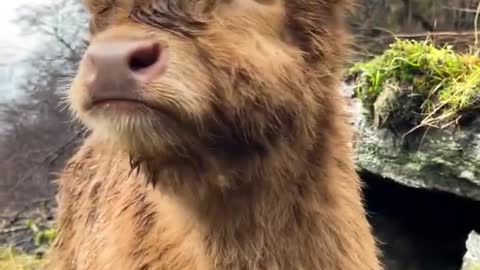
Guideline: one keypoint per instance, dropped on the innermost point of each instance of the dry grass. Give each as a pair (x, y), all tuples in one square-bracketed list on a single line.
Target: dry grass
[(10, 259)]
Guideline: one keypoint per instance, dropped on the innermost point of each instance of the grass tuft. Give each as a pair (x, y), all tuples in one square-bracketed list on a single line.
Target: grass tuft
[(418, 84), (11, 259)]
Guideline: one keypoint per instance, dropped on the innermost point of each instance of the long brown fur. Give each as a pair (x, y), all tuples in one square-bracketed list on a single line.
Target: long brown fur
[(243, 161)]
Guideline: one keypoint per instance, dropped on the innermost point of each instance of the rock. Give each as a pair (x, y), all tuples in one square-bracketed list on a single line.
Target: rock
[(437, 159), (471, 261)]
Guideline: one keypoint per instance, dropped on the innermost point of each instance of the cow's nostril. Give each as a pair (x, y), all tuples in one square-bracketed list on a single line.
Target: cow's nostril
[(144, 57)]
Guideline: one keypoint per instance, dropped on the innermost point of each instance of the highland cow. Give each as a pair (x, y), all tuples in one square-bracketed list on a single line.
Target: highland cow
[(219, 141)]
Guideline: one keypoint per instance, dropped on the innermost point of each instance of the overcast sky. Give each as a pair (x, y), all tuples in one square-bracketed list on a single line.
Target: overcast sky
[(13, 45)]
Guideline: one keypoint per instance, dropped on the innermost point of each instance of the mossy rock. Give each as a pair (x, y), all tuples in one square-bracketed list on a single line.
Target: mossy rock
[(418, 118), (418, 85), (439, 159)]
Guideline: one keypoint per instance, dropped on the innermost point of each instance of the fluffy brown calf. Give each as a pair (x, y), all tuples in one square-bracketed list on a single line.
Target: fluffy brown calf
[(219, 141)]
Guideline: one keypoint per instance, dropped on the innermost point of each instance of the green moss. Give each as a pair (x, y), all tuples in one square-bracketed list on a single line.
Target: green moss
[(42, 237), (11, 259), (427, 85)]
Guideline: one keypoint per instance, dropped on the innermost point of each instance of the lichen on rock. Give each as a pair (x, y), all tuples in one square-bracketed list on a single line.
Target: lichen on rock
[(441, 160)]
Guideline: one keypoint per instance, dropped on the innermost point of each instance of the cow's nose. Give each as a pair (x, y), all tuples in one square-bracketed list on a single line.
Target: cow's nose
[(122, 65)]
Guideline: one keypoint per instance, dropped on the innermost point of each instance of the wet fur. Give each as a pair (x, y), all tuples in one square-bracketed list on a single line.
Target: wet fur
[(252, 169)]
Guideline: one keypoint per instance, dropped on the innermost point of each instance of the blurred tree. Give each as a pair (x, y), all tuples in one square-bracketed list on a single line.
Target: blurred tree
[(377, 21), (37, 133)]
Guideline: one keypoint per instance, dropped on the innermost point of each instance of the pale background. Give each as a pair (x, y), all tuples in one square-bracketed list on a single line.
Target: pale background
[(14, 45)]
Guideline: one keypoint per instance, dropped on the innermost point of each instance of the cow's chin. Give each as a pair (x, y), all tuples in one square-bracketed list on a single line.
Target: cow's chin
[(147, 135)]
